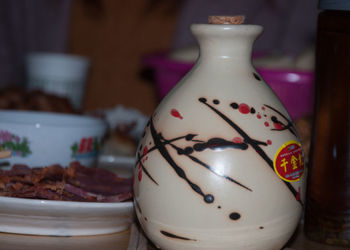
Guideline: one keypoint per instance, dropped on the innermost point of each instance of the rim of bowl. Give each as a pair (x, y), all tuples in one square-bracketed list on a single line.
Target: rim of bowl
[(48, 119), (57, 57)]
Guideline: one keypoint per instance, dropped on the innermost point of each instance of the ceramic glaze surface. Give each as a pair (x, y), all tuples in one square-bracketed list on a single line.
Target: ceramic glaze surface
[(220, 165)]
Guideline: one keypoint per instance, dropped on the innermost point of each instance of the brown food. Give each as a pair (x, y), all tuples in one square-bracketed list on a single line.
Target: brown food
[(15, 98), (226, 19), (75, 183)]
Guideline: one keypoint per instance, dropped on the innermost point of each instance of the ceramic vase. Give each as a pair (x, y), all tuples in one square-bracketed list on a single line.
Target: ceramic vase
[(220, 165)]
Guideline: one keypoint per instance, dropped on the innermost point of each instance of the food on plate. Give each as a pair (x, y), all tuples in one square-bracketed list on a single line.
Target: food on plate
[(73, 183), (226, 19)]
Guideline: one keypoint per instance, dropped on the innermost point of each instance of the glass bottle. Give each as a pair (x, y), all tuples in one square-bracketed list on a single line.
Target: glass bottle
[(327, 216)]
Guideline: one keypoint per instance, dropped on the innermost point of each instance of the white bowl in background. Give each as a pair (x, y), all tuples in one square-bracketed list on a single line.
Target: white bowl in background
[(39, 139), (58, 73)]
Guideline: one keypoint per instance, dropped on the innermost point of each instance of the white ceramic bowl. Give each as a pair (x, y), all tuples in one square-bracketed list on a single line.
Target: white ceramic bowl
[(58, 73), (39, 139)]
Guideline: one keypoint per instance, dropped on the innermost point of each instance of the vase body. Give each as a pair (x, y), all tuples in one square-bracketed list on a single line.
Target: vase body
[(220, 165)]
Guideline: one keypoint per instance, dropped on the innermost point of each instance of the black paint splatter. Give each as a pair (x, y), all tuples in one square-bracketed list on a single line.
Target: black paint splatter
[(257, 77), (167, 234), (209, 198), (186, 151), (235, 216), (253, 143), (190, 137), (218, 143), (179, 171), (289, 125), (233, 105), (160, 143), (145, 171)]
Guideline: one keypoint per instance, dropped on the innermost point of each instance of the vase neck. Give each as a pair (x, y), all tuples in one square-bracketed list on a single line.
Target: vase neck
[(227, 42)]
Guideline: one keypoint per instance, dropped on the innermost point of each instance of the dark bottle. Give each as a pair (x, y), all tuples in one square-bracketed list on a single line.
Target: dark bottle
[(327, 215)]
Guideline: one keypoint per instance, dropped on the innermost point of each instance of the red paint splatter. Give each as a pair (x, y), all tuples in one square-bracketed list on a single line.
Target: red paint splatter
[(244, 108), (269, 142), (140, 175), (266, 124), (176, 114), (258, 116), (277, 125), (297, 197), (139, 165), (237, 140), (145, 150), (263, 108)]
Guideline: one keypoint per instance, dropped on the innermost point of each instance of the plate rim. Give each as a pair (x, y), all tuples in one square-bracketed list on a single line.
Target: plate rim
[(41, 202)]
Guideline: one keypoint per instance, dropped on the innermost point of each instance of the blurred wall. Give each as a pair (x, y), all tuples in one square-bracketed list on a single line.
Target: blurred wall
[(27, 26), (289, 25), (115, 35)]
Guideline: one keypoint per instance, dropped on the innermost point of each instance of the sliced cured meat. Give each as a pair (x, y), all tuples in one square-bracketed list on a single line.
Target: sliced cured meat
[(74, 183)]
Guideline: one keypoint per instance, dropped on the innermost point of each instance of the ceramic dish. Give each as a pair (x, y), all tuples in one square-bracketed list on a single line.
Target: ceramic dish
[(42, 139), (63, 218)]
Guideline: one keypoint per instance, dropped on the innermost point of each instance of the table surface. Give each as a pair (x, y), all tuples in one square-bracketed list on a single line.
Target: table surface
[(117, 241)]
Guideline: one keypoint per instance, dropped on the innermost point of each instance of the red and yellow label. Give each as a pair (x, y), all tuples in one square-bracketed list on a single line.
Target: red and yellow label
[(289, 161)]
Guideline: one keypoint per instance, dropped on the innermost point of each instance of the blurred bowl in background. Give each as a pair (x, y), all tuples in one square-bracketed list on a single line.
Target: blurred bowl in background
[(294, 87), (58, 73), (122, 166), (39, 139)]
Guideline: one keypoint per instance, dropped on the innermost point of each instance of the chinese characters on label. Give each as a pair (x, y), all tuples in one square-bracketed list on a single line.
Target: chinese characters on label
[(289, 162)]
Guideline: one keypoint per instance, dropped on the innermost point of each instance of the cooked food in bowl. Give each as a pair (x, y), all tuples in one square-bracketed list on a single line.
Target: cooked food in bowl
[(74, 183), (16, 98)]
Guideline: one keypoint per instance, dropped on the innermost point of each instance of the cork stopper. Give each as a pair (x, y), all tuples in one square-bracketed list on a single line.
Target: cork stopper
[(226, 19)]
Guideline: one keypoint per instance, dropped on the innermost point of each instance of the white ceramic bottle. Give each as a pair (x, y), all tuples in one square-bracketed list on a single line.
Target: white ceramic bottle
[(220, 165)]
